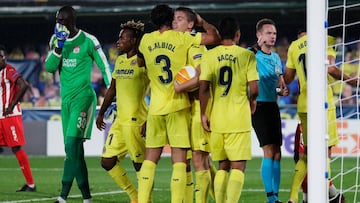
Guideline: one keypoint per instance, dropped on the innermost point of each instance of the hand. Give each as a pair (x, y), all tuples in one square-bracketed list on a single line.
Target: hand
[(8, 111), (205, 123), (253, 104), (100, 124), (61, 33)]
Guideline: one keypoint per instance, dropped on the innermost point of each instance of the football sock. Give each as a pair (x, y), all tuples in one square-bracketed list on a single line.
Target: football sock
[(178, 182), (234, 186), (81, 172), (146, 180), (276, 178), (203, 179), (71, 164), (267, 178), (189, 194), (299, 175), (121, 178), (24, 166), (332, 189), (220, 184), (65, 189), (211, 188)]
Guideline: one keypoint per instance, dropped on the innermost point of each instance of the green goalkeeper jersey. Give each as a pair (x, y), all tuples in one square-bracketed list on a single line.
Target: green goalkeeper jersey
[(76, 63)]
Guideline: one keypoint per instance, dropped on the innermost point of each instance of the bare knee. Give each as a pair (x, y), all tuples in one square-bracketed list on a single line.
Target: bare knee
[(15, 149), (108, 163)]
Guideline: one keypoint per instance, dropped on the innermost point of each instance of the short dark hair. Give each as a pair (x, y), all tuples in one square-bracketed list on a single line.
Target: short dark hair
[(190, 14), (162, 15), (262, 22), (228, 28), (70, 11)]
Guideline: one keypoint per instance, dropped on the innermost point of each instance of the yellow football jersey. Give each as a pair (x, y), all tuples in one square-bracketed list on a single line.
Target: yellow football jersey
[(297, 60), (131, 87), (164, 54), (194, 55), (229, 69)]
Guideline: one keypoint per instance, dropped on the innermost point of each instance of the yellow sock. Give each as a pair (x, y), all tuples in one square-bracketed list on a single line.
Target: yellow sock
[(178, 182), (189, 193), (121, 177), (202, 185), (299, 175), (211, 188), (146, 180), (234, 186), (220, 183)]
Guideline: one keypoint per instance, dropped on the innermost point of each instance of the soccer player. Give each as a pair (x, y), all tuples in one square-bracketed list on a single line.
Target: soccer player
[(13, 87), (296, 65), (230, 72), (266, 119), (164, 52), (73, 52), (129, 84), (184, 21)]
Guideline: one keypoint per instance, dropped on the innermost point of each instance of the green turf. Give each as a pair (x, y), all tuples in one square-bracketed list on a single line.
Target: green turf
[(47, 174)]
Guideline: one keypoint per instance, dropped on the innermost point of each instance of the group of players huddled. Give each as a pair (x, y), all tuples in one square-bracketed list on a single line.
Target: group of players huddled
[(235, 89)]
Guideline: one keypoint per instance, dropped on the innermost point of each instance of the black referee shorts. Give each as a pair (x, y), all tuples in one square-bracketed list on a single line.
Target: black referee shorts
[(266, 122)]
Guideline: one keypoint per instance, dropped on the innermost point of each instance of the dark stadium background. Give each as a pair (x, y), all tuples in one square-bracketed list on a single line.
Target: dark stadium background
[(32, 21)]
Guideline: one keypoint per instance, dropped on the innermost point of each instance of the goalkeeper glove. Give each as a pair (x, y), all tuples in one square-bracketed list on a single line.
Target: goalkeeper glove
[(61, 33)]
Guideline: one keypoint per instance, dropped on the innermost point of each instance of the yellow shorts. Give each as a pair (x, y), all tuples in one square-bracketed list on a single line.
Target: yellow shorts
[(232, 146), (199, 138), (172, 129), (332, 127), (122, 140)]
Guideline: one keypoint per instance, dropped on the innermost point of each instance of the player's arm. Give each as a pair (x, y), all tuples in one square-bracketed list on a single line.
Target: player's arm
[(204, 95), (289, 75), (283, 90), (102, 62), (109, 96), (140, 59), (336, 73), (192, 83), (211, 34), (253, 93), (22, 85)]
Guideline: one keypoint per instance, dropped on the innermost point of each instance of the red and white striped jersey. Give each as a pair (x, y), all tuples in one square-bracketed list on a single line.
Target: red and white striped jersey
[(8, 89)]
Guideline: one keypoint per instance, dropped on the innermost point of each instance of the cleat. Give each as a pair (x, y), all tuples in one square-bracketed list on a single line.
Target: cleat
[(278, 201), (60, 200), (26, 188)]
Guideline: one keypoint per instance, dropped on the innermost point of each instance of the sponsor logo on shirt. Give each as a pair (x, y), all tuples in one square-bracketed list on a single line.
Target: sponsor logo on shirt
[(71, 63), (197, 56)]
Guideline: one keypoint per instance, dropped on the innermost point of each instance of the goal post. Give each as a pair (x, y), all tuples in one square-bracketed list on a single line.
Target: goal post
[(316, 90)]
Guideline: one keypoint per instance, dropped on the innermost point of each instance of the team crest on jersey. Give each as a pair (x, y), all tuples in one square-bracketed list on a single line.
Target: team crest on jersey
[(76, 49), (133, 62)]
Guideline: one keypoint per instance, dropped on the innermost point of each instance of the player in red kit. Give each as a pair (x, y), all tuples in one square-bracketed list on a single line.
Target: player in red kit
[(13, 87)]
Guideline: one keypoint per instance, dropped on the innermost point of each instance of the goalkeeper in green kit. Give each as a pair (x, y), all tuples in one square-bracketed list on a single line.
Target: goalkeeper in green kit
[(72, 53)]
